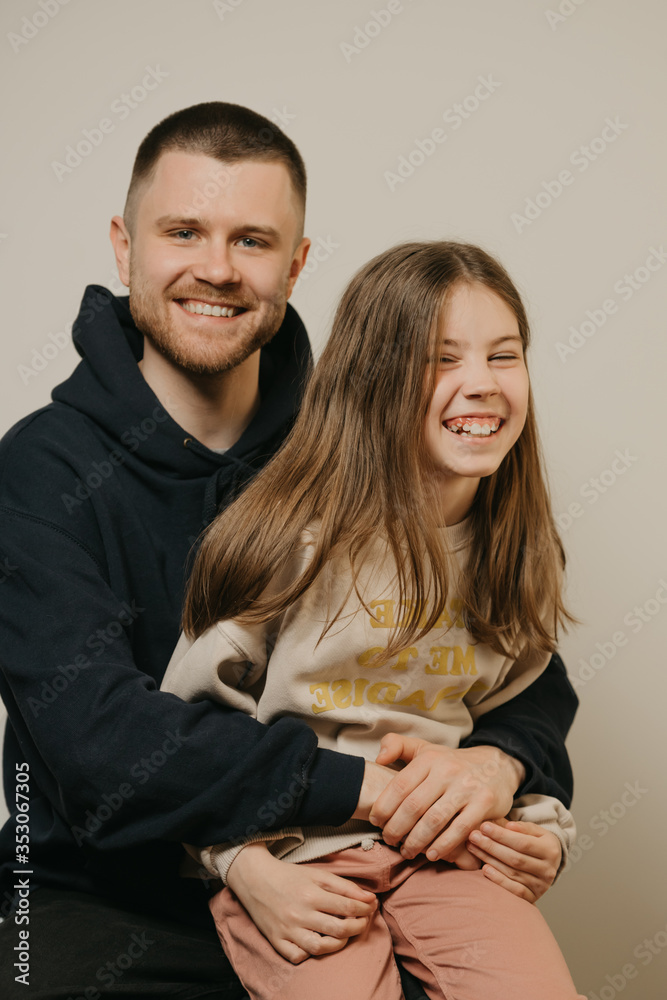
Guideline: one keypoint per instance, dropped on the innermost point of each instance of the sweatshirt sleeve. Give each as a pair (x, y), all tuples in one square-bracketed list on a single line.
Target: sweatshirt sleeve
[(532, 727), (217, 859), (549, 813), (222, 664)]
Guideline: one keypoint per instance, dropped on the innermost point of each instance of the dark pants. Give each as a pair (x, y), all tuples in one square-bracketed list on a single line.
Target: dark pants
[(84, 947)]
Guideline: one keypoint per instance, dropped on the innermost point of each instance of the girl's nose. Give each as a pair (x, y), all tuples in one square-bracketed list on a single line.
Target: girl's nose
[(480, 382)]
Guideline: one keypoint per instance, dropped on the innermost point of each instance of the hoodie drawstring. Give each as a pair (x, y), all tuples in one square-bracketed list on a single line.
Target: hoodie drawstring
[(223, 488)]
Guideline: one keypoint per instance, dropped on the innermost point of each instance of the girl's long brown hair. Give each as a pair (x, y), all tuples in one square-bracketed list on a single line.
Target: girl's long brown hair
[(355, 462)]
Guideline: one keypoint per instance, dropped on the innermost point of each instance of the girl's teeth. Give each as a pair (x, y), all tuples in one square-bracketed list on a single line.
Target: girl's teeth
[(474, 428)]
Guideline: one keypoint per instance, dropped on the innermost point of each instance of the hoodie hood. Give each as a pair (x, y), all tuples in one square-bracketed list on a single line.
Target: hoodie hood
[(107, 387)]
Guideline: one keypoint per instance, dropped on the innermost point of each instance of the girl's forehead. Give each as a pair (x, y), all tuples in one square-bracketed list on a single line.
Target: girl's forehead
[(473, 311)]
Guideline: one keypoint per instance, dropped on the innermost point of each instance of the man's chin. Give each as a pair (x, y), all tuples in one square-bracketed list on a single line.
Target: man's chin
[(209, 359), (201, 363)]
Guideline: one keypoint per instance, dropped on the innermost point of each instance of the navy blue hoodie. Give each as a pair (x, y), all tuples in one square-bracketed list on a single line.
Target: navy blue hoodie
[(102, 497)]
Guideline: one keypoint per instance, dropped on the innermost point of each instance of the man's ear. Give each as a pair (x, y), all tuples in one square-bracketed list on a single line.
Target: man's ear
[(298, 260), (120, 239)]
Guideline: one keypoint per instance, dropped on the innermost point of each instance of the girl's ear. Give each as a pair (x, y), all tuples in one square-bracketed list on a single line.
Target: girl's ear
[(121, 241)]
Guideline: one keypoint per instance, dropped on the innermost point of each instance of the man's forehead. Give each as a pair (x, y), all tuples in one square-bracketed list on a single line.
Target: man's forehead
[(213, 176), (196, 185)]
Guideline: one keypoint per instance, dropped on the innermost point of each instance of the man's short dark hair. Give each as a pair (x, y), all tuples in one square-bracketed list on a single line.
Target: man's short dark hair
[(226, 132)]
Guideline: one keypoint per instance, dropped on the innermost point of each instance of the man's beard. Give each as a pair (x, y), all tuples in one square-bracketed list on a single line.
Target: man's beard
[(202, 353)]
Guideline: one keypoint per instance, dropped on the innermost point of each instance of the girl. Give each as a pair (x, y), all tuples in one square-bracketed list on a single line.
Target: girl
[(394, 570)]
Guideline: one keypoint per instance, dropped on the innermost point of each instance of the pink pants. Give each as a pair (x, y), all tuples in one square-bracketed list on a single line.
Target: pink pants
[(462, 936)]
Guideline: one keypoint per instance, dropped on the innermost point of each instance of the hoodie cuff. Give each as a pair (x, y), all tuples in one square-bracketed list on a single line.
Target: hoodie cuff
[(332, 787), (510, 742)]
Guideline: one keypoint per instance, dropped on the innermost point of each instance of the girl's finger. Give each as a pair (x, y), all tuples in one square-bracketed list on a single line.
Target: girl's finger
[(291, 952), (339, 907), (343, 886), (516, 874), (534, 884), (491, 860), (321, 944), (336, 927), (522, 826), (521, 842), (330, 900), (516, 888), (544, 845), (513, 860)]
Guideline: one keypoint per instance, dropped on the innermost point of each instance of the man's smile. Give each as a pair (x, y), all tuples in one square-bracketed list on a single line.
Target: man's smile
[(202, 308)]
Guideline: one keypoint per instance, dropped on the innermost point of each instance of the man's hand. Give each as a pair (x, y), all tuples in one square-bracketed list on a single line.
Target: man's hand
[(300, 910), (435, 802), (521, 857)]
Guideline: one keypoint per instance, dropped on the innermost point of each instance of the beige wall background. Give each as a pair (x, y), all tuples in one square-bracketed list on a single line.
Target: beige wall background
[(549, 149)]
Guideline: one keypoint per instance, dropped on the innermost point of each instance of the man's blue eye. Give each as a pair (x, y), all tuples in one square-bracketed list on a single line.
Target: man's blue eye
[(249, 241), (185, 234)]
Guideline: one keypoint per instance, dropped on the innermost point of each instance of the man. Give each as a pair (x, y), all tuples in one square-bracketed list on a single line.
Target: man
[(178, 401)]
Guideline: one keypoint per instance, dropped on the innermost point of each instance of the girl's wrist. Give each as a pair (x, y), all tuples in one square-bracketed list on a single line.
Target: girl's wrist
[(248, 862)]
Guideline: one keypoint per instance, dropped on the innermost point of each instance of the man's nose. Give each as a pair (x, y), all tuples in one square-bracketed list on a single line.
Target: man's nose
[(215, 264)]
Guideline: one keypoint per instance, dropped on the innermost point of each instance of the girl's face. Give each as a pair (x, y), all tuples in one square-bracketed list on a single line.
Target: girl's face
[(480, 401)]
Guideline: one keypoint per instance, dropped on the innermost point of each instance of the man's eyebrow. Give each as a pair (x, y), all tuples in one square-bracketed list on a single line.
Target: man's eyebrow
[(252, 227), (448, 342), (167, 221)]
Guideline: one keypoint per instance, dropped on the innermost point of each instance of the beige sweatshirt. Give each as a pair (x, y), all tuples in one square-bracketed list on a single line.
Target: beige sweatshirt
[(434, 689)]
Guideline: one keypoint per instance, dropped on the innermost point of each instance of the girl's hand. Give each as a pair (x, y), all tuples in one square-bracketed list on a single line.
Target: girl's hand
[(300, 910), (521, 857), (463, 859)]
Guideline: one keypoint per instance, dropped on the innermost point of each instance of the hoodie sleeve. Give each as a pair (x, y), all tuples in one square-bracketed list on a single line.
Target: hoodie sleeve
[(532, 727), (119, 761)]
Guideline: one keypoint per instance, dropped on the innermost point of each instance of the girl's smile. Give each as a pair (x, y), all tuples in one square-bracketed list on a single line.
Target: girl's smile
[(474, 425)]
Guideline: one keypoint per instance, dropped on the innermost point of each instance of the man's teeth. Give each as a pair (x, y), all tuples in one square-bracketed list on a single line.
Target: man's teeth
[(473, 428), (204, 309)]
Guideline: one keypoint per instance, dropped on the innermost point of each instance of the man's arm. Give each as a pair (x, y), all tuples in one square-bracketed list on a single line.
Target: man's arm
[(92, 724), (532, 728)]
